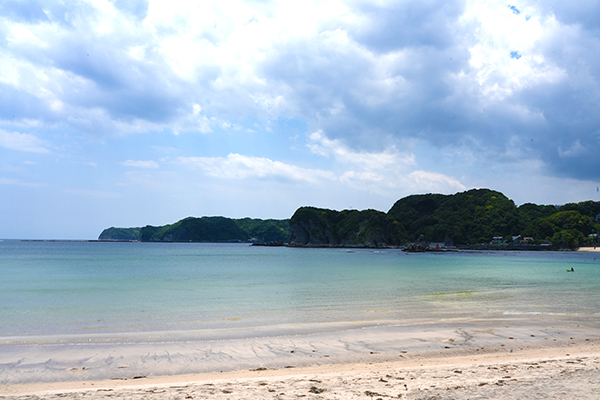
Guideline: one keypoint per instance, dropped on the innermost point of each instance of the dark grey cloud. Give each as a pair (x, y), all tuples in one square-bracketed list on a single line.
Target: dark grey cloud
[(569, 141), (97, 73), (434, 95), (407, 24), (348, 95)]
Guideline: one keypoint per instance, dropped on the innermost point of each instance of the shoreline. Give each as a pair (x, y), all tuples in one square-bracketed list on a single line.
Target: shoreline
[(343, 363), (589, 249), (490, 375)]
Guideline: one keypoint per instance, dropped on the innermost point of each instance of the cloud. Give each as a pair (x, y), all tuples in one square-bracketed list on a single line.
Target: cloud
[(483, 77), (16, 182), (434, 182), (23, 142), (390, 157), (236, 166), (363, 173), (387, 27), (140, 164), (25, 11), (381, 172)]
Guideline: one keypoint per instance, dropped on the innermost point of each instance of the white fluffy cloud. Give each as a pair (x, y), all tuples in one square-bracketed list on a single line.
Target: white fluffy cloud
[(22, 142), (236, 166), (386, 172)]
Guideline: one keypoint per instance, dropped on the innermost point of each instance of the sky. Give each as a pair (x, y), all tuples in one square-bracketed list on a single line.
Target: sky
[(129, 113)]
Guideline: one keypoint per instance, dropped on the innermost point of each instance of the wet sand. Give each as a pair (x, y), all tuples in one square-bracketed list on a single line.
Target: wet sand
[(464, 361)]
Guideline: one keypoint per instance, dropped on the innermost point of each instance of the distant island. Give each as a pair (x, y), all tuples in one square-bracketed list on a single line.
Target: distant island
[(477, 217)]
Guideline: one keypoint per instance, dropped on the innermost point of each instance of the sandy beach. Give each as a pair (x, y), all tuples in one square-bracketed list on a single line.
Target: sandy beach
[(556, 373), (560, 365), (590, 249)]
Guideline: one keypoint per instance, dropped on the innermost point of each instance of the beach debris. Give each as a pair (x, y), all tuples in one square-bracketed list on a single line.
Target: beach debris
[(373, 394), (259, 369), (314, 389)]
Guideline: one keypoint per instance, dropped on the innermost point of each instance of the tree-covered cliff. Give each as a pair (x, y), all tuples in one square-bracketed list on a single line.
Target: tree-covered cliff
[(472, 217), (205, 229), (322, 227), (122, 234)]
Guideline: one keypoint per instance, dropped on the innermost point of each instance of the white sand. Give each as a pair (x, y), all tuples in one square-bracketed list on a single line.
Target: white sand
[(43, 361), (555, 373), (440, 362), (591, 249)]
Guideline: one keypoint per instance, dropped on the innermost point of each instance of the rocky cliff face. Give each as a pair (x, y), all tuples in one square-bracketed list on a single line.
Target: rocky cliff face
[(311, 226), (308, 232)]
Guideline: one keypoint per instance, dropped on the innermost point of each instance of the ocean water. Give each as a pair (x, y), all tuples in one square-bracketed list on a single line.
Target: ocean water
[(144, 292)]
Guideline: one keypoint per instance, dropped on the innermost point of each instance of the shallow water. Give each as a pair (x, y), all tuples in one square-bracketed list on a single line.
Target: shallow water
[(88, 311), (57, 289)]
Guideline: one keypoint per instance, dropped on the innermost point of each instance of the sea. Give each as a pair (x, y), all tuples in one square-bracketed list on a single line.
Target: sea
[(101, 296)]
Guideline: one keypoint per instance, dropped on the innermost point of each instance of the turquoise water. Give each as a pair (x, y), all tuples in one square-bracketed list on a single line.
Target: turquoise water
[(59, 292)]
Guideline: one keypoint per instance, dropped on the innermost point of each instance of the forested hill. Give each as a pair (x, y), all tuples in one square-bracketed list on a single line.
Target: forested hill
[(205, 229), (472, 217)]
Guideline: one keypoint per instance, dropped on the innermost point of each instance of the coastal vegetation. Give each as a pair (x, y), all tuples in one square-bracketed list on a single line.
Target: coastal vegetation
[(121, 234), (473, 217), (468, 218), (323, 227), (205, 229)]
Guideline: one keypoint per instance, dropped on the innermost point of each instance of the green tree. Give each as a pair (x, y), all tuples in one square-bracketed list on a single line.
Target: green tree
[(568, 238)]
